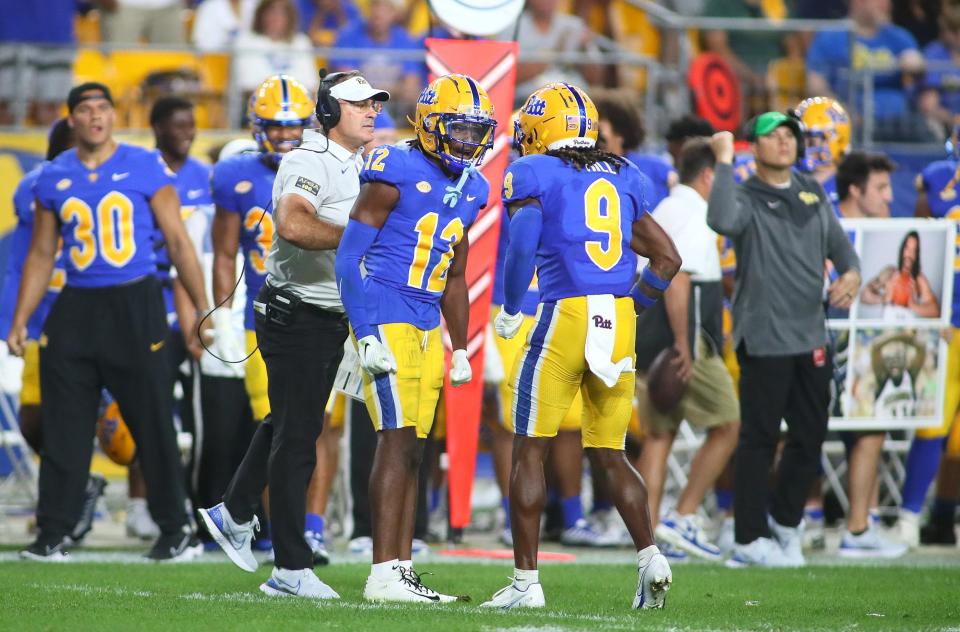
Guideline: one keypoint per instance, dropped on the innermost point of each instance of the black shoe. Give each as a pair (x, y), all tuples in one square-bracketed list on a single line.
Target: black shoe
[(938, 532), (176, 547), (45, 551), (95, 486)]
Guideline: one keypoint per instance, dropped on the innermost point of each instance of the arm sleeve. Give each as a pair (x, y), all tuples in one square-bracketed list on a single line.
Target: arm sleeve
[(357, 239), (839, 249), (525, 227), (725, 214)]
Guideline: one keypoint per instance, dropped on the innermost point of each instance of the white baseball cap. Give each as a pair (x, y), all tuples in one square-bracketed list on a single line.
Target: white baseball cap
[(357, 88)]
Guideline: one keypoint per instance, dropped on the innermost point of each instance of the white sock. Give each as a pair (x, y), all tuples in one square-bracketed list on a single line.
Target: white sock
[(384, 570), (523, 578), (406, 564), (137, 503), (645, 555)]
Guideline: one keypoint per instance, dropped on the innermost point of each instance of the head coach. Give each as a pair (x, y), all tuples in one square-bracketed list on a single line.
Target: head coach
[(301, 327), (783, 230)]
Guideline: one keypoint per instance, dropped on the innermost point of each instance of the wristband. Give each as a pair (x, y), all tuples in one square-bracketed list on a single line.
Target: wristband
[(650, 278), (642, 299)]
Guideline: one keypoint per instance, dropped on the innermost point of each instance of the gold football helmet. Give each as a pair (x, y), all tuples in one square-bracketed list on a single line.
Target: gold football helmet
[(827, 130), (557, 115), (454, 121), (279, 101)]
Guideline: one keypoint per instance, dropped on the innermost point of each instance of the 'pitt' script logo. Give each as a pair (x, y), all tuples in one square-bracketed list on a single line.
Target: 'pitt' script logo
[(428, 97), (809, 198), (602, 323), (535, 107)]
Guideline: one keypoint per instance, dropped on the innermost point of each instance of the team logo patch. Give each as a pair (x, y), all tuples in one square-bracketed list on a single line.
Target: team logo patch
[(602, 323), (573, 122), (243, 186), (308, 185), (535, 106), (424, 187), (428, 97), (64, 184), (809, 198), (948, 194), (92, 177)]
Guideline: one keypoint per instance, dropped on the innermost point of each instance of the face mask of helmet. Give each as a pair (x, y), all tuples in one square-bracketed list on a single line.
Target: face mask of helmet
[(463, 140)]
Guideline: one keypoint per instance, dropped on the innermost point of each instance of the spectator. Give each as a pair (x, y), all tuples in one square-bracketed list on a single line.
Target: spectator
[(323, 19), (888, 51), (783, 230), (748, 52), (37, 47), (274, 46), (683, 128), (919, 17), (543, 28), (402, 78), (622, 133), (690, 318), (129, 21), (819, 10), (940, 96), (217, 23)]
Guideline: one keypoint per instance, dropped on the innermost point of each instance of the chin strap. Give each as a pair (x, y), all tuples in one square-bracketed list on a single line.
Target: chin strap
[(452, 196)]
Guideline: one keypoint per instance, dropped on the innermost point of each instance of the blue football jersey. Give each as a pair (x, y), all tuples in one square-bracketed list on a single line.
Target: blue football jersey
[(830, 188), (531, 299), (940, 180), (588, 221), (744, 166), (193, 189), (243, 184), (23, 206), (106, 221), (408, 261), (660, 172)]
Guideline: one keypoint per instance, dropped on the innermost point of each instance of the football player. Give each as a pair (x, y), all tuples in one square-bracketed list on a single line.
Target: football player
[(107, 327), (580, 216), (60, 139), (827, 131), (280, 109), (409, 227), (938, 195)]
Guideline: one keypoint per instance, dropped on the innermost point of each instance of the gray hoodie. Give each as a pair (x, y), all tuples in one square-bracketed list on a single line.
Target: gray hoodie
[(782, 238)]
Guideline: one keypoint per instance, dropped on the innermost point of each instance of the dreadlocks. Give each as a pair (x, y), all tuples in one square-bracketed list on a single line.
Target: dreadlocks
[(581, 157)]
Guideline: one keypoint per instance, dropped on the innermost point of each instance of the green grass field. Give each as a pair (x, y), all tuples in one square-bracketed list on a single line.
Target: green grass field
[(141, 597)]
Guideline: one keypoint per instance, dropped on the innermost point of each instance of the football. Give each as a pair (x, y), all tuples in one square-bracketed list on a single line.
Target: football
[(664, 386), (114, 436)]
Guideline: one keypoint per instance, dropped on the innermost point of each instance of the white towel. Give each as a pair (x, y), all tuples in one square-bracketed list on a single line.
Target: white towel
[(601, 335)]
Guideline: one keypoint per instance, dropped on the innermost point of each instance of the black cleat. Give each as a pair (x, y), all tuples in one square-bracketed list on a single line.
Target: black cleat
[(45, 551), (182, 546), (938, 532), (95, 486)]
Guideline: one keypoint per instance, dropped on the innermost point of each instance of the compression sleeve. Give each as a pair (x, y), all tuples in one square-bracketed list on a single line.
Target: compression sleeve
[(518, 266), (357, 239)]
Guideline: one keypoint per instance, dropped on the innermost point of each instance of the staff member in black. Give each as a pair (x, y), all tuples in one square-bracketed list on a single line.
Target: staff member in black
[(301, 328)]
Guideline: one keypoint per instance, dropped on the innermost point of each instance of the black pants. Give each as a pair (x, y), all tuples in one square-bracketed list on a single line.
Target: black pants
[(222, 434), (794, 388), (110, 337), (302, 359)]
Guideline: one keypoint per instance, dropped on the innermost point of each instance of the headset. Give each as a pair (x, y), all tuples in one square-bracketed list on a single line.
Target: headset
[(328, 108)]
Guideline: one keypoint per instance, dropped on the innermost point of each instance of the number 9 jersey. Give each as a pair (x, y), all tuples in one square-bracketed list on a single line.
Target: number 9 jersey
[(105, 216), (588, 218), (408, 261)]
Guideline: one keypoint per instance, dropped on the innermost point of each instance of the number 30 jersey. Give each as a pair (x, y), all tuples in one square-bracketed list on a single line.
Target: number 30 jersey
[(588, 221), (105, 216), (243, 184), (408, 261)]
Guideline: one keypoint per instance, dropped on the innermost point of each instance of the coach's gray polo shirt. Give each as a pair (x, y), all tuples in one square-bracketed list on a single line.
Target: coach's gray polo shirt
[(328, 176)]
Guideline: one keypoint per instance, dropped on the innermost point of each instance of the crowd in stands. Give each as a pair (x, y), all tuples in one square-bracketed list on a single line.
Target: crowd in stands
[(909, 51)]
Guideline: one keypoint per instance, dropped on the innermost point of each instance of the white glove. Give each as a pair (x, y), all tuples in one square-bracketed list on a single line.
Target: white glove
[(507, 325), (225, 337), (460, 370), (375, 357)]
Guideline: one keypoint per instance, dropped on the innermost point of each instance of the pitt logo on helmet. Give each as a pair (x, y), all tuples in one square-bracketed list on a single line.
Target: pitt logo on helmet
[(827, 131), (555, 116), (280, 101), (454, 121)]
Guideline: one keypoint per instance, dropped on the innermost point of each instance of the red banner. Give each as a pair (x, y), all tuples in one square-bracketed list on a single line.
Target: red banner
[(493, 66)]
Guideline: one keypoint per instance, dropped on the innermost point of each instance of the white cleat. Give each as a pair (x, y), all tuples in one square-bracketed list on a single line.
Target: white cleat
[(513, 596), (655, 579), (760, 552), (908, 528), (790, 540), (299, 583), (870, 544), (404, 586), (233, 538), (140, 523), (687, 534)]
